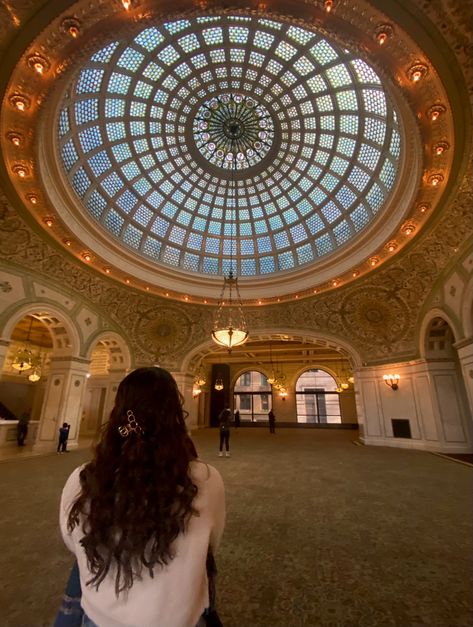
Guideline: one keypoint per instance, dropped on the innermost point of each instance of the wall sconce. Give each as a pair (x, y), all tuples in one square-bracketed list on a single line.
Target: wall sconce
[(196, 391), (283, 394), (392, 380), (218, 384)]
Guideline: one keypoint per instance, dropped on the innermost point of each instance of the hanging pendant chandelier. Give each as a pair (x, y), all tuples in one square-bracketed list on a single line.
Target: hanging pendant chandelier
[(23, 359), (230, 328), (35, 375)]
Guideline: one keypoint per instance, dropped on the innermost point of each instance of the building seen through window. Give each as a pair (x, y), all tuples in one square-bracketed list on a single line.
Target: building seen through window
[(252, 396), (316, 398)]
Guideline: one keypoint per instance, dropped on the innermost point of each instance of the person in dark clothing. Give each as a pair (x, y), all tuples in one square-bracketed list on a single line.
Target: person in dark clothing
[(236, 419), (224, 422), (23, 428), (63, 437), (272, 421)]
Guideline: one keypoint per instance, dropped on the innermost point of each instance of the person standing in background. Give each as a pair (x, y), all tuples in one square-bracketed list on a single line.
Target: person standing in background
[(236, 419), (224, 429), (22, 428), (272, 421), (63, 437)]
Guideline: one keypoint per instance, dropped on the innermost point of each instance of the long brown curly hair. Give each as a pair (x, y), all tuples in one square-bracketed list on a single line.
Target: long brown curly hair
[(137, 492)]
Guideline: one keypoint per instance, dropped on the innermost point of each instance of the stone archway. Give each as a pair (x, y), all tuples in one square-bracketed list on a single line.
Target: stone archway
[(293, 350), (59, 390)]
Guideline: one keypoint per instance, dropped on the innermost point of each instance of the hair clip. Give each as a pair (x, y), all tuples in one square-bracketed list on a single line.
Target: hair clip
[(131, 426)]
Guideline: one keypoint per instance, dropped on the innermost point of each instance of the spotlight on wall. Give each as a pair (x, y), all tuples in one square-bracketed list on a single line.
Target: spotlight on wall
[(392, 380)]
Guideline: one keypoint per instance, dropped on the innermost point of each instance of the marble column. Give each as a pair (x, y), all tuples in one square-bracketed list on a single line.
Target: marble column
[(63, 401)]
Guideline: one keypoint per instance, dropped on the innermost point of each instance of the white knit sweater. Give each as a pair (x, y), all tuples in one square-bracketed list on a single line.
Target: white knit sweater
[(178, 593)]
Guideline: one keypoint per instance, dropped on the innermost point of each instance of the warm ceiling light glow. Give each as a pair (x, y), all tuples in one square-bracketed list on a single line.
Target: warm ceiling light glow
[(335, 283), (440, 147), (435, 112), (355, 273), (315, 292), (408, 229), (186, 298), (20, 170), (20, 102), (435, 179), (15, 138), (127, 281), (205, 301), (416, 72), (391, 246), (167, 294), (126, 4), (423, 207), (383, 33), (71, 26), (32, 198), (107, 270), (86, 256), (373, 261), (328, 5), (68, 242), (147, 288), (49, 221), (259, 302), (38, 63)]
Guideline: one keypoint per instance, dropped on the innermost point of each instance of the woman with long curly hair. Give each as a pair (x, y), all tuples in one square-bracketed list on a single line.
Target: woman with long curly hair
[(142, 515)]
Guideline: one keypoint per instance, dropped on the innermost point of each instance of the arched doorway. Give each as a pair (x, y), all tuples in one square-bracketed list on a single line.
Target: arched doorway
[(317, 399)]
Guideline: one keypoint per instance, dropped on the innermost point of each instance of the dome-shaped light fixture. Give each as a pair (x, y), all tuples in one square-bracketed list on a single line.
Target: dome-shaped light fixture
[(22, 360), (230, 327), (35, 375)]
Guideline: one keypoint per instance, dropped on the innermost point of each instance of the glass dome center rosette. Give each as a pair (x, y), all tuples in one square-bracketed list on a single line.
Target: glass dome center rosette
[(155, 126), (233, 131)]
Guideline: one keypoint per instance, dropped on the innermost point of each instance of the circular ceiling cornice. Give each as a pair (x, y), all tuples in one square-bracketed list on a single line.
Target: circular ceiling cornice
[(49, 59)]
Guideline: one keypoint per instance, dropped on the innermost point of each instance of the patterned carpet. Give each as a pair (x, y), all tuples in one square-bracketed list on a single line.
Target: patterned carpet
[(320, 533)]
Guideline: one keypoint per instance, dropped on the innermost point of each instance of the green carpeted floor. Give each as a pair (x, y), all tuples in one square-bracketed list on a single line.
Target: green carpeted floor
[(320, 533)]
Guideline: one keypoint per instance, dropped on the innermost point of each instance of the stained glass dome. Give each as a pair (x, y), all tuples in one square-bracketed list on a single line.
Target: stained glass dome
[(154, 129)]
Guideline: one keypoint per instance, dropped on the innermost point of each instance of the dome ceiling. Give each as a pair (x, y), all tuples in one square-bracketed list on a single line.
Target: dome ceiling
[(295, 148), (229, 140)]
